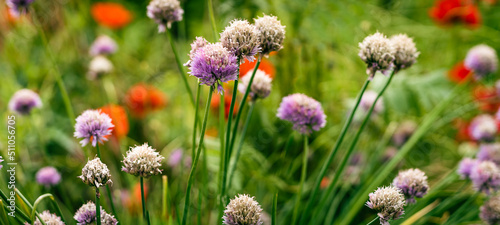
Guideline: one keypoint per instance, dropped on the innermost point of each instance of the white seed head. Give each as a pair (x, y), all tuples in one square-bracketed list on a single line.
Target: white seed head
[(96, 174), (241, 38), (49, 219), (261, 84), (413, 184), (389, 202), (490, 211), (142, 161), (377, 52), (405, 51), (243, 210), (272, 34), (482, 59), (99, 66)]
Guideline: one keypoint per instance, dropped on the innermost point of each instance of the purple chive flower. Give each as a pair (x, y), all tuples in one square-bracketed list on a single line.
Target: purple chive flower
[(198, 43), (489, 152), (490, 211), (483, 128), (486, 177), (18, 6), (164, 13), (48, 176), (214, 64), (482, 59), (241, 38), (23, 101), (243, 209), (377, 52), (413, 184), (465, 167), (93, 126), (404, 132), (305, 113), (86, 214), (389, 202), (367, 101), (103, 45), (175, 159)]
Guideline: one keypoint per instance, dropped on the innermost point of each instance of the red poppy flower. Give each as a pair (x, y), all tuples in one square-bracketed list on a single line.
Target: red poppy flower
[(324, 183), (143, 98), (462, 127), (459, 73), (112, 15), (118, 118), (446, 12), (265, 65), (486, 98)]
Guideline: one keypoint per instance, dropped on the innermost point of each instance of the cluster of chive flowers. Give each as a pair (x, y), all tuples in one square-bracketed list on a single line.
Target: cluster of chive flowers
[(86, 214), (304, 112), (100, 65)]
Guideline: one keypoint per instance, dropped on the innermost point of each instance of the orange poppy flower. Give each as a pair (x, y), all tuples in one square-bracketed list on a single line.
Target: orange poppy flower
[(462, 127), (265, 65), (112, 15), (446, 12), (324, 183), (486, 98), (214, 103), (118, 118), (459, 73), (143, 98)]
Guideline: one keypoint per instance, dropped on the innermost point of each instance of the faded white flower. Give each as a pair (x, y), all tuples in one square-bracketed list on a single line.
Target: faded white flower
[(272, 34), (377, 52), (142, 161), (405, 52), (96, 174), (243, 210), (241, 38), (261, 84), (389, 202)]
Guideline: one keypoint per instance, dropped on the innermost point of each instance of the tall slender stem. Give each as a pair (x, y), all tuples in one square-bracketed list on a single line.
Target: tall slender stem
[(98, 150), (143, 199), (197, 156), (373, 220), (198, 90), (331, 156), (275, 205), (240, 145), (212, 18), (302, 180), (180, 66), (108, 189), (98, 206)]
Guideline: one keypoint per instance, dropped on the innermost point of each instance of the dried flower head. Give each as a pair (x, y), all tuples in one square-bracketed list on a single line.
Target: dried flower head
[(103, 45), (164, 13), (96, 174), (48, 176), (486, 177), (243, 210), (368, 100), (482, 59), (93, 126), (23, 101), (98, 67), (489, 152), (261, 85), (483, 128), (214, 64), (377, 52), (305, 113), (18, 6), (465, 167), (490, 211), (389, 202), (241, 38), (272, 34), (405, 52), (413, 184), (198, 43), (86, 215), (142, 161), (48, 218)]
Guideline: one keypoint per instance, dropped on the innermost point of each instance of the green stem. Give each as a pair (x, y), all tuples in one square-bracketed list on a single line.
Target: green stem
[(333, 152), (164, 197), (98, 206), (275, 206), (195, 161), (35, 205), (98, 150), (212, 19), (181, 67), (382, 173), (240, 145), (302, 180), (222, 154), (373, 220), (457, 215), (143, 200), (108, 189), (3, 214), (198, 91), (27, 203)]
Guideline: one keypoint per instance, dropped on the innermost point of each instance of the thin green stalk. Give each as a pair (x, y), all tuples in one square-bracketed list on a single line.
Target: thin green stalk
[(382, 173), (59, 211), (350, 150), (457, 215), (27, 203), (143, 199), (164, 196), (275, 206), (240, 145), (197, 156), (3, 214), (18, 210), (98, 206), (222, 160), (108, 189), (302, 180), (37, 202), (373, 220), (331, 156), (198, 91), (181, 66), (212, 19)]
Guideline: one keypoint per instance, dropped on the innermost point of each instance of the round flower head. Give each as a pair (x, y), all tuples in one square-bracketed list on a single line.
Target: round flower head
[(367, 101), (86, 214), (490, 211), (103, 45), (243, 210), (1, 160), (198, 43), (413, 184), (48, 218), (241, 38), (261, 85), (18, 6), (465, 167), (377, 52), (93, 126), (142, 161), (489, 152), (48, 176), (305, 113), (483, 128), (96, 174), (214, 64), (99, 66), (389, 202), (482, 59), (486, 177), (272, 34), (405, 52), (404, 132), (164, 13), (23, 101)]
